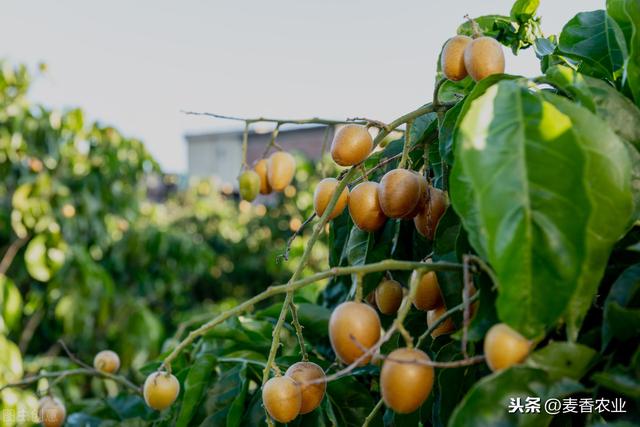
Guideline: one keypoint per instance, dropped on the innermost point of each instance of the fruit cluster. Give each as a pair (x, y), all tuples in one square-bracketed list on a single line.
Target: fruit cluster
[(267, 175)]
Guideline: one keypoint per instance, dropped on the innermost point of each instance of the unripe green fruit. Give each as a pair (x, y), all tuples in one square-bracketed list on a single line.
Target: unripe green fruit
[(351, 322), (388, 296), (351, 145), (107, 361), (160, 390), (483, 57), (51, 412), (282, 398), (249, 183), (312, 394), (405, 385), (504, 347), (452, 58)]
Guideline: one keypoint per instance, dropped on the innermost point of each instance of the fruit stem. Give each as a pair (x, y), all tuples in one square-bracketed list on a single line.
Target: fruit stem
[(323, 149), (406, 146), (444, 317), (373, 413), (272, 141), (475, 28), (358, 294), (245, 143), (298, 327)]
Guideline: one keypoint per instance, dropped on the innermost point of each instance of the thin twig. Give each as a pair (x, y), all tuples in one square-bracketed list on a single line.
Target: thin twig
[(74, 372), (11, 253), (285, 254), (406, 146), (72, 356), (311, 121), (466, 312), (272, 141), (444, 317), (373, 413), (298, 327)]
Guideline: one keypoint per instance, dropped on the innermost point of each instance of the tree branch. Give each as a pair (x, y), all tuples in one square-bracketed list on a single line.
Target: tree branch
[(11, 253)]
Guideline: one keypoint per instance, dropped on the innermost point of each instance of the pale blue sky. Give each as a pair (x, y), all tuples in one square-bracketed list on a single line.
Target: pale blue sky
[(136, 63)]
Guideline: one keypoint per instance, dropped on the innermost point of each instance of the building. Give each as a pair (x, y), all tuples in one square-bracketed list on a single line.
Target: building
[(219, 154)]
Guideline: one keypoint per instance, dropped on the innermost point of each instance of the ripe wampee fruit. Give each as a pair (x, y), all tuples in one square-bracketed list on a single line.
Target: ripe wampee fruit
[(160, 390), (388, 296), (452, 58), (364, 207), (312, 394), (51, 412), (323, 194), (261, 169), (504, 347), (404, 385), (353, 321), (446, 327), (428, 296), (399, 193), (282, 398), (351, 145), (249, 185), (280, 170), (483, 57), (107, 361), (429, 215)]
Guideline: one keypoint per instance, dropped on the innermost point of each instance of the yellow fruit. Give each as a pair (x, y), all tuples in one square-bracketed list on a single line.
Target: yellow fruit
[(399, 193), (364, 207), (428, 294), (161, 390), (312, 394), (282, 398), (427, 219), (446, 327), (388, 296), (323, 194), (261, 167), (280, 170), (422, 199), (249, 185), (404, 385), (452, 58), (483, 57), (51, 412), (504, 347), (107, 361), (351, 145), (351, 322)]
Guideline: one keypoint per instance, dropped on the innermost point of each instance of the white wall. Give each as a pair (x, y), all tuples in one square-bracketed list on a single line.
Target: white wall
[(220, 158)]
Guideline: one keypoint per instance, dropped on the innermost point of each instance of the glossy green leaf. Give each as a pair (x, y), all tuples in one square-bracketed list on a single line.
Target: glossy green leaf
[(597, 41), (351, 402), (619, 380), (563, 360), (524, 9), (487, 403), (198, 377), (523, 184), (621, 321), (627, 14)]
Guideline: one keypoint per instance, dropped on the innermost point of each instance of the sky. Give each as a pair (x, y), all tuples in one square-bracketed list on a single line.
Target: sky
[(137, 64)]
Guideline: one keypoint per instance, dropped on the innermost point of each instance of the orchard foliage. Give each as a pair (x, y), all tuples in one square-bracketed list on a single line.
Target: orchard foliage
[(525, 194)]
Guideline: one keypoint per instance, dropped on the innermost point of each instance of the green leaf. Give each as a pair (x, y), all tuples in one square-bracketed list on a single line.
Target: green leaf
[(10, 305), (601, 98), (229, 384), (619, 321), (597, 41), (524, 183), (563, 360), (487, 403), (608, 181), (619, 380), (365, 248), (523, 10), (351, 402), (447, 128), (627, 14), (195, 383)]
